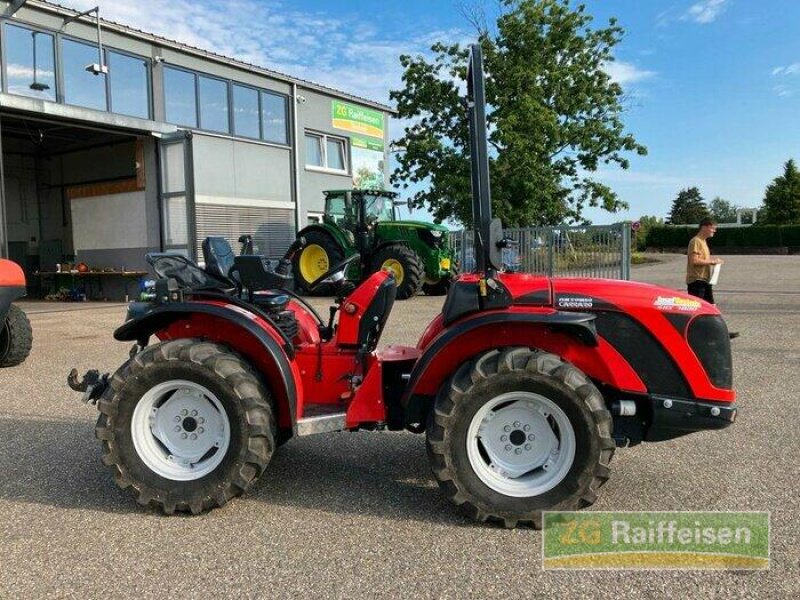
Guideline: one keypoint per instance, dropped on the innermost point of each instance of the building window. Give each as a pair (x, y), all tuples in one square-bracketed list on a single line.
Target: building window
[(273, 117), (326, 152), (180, 98), (81, 87), (335, 152), (313, 218), (314, 155), (213, 104), (30, 63), (245, 112), (129, 80)]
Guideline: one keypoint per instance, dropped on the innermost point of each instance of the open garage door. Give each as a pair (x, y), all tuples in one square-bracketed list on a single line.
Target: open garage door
[(176, 193)]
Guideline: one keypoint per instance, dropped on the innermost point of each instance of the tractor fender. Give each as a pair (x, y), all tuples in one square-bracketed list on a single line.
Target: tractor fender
[(571, 336), (333, 232), (247, 334), (12, 285)]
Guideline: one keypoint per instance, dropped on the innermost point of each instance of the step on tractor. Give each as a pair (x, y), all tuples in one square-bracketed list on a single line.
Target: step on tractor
[(16, 335), (523, 385), (366, 222)]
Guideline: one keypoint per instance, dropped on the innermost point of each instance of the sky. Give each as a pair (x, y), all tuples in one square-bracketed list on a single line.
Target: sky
[(712, 86)]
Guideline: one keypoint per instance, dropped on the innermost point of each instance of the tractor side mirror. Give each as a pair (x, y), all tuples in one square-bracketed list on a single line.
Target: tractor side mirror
[(407, 203), (495, 239)]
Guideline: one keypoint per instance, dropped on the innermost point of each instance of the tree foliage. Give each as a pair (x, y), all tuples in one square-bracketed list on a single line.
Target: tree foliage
[(646, 223), (554, 116), (782, 198), (722, 211), (688, 208)]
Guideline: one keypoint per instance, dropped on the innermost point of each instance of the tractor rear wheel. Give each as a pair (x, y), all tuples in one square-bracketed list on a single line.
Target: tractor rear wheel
[(516, 432), (186, 425), (404, 264), (16, 337), (320, 253)]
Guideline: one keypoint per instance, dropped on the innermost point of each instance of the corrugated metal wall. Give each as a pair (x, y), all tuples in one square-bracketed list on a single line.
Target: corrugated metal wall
[(272, 228)]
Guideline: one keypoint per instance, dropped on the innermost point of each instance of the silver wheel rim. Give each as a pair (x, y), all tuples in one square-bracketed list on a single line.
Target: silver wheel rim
[(180, 430), (521, 444)]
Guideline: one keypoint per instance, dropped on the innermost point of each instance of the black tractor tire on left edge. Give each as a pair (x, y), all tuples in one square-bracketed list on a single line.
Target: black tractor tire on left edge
[(246, 403), (16, 337), (412, 270), (484, 379)]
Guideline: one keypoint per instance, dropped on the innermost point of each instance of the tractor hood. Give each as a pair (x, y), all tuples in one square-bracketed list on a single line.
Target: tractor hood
[(415, 225), (631, 296)]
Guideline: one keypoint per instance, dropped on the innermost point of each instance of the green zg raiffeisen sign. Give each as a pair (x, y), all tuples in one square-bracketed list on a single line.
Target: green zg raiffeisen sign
[(656, 540), (357, 119)]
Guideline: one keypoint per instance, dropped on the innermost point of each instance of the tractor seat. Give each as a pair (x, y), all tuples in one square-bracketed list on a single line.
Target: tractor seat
[(374, 319), (219, 257)]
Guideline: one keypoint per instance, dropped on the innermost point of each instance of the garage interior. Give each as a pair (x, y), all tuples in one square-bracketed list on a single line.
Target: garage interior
[(71, 192)]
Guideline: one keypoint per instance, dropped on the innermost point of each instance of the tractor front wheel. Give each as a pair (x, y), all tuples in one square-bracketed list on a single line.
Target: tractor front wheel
[(319, 254), (16, 337), (186, 425), (404, 264), (517, 432)]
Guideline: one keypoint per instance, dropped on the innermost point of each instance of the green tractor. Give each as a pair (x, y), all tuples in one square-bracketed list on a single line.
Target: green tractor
[(366, 222)]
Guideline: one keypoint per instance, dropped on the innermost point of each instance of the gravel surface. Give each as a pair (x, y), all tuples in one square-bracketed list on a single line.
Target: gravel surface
[(358, 514)]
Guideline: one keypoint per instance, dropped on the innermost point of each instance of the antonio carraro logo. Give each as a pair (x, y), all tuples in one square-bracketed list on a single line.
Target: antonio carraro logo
[(580, 302)]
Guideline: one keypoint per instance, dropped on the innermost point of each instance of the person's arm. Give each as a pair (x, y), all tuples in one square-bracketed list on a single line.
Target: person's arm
[(699, 261)]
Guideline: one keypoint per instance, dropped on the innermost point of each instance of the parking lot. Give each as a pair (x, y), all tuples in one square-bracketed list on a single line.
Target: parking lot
[(358, 514)]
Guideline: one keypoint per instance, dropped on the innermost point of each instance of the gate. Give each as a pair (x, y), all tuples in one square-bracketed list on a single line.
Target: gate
[(602, 251)]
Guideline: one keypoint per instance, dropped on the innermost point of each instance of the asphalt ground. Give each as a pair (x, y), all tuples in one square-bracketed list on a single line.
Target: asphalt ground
[(358, 514)]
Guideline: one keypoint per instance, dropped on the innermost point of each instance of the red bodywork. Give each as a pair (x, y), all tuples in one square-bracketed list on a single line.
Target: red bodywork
[(335, 376), (12, 286), (11, 274)]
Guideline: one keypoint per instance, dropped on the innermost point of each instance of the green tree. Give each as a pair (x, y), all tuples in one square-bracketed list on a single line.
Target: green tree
[(554, 115), (688, 208), (782, 198), (722, 210), (646, 223)]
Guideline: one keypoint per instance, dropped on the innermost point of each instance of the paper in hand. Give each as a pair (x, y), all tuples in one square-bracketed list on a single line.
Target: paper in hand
[(715, 269)]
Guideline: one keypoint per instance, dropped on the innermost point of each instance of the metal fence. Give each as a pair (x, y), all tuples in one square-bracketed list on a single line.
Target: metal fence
[(595, 251)]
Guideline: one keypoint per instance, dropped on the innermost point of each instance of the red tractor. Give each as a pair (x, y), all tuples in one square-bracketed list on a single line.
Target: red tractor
[(523, 385), (16, 335)]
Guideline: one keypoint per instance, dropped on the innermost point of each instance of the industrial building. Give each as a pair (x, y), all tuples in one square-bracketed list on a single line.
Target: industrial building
[(116, 142)]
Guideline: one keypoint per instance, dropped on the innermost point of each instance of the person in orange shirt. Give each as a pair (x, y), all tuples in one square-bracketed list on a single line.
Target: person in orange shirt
[(699, 262)]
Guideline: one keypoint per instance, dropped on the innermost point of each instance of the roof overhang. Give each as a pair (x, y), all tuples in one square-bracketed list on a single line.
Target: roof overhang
[(83, 116)]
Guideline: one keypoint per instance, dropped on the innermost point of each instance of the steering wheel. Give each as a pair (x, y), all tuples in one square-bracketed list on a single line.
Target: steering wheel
[(337, 268)]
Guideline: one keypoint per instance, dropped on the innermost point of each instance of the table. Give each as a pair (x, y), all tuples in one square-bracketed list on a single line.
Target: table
[(128, 277)]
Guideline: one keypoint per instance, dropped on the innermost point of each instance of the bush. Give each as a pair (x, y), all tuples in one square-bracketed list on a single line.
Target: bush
[(757, 236)]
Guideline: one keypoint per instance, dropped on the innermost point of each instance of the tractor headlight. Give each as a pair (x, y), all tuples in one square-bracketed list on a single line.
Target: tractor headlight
[(436, 233)]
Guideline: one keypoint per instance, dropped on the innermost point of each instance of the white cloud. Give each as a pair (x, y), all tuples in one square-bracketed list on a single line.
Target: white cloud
[(342, 52), (793, 69), (625, 73), (782, 91), (706, 11)]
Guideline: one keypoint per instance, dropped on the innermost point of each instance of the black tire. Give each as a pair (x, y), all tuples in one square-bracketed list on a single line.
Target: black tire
[(246, 402), (16, 337), (335, 256), (437, 289), (519, 369), (413, 271)]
